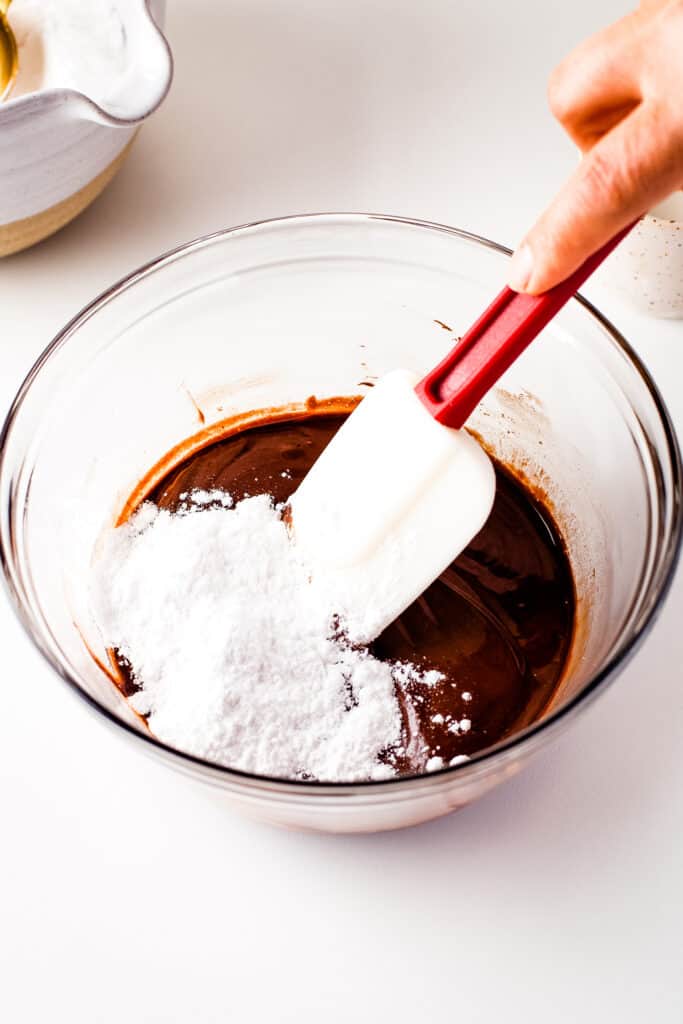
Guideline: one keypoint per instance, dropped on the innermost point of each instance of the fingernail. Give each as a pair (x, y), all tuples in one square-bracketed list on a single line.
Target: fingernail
[(521, 268)]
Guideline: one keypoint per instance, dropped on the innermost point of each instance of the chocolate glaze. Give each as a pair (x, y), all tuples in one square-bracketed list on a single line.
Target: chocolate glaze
[(498, 623)]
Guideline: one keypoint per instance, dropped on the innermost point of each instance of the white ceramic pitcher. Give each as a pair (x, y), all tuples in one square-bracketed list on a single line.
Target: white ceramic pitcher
[(59, 148)]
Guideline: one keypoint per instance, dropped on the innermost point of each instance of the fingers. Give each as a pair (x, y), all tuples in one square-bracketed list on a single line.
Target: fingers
[(616, 97), (636, 165), (598, 85)]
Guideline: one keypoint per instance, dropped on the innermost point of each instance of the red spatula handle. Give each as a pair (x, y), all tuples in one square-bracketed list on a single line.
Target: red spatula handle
[(453, 389)]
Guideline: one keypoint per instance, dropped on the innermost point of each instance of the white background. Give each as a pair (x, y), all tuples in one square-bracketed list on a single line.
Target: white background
[(126, 895)]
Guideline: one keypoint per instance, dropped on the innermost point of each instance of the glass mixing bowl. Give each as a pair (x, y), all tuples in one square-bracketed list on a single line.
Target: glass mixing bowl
[(264, 316)]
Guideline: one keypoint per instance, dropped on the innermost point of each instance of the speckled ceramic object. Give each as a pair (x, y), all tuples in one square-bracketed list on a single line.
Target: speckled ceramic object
[(59, 149), (647, 268)]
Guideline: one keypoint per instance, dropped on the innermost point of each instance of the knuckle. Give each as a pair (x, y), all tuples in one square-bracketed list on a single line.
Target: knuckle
[(561, 94), (609, 184)]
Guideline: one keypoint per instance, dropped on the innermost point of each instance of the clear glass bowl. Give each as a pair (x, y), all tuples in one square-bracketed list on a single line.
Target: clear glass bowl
[(266, 315)]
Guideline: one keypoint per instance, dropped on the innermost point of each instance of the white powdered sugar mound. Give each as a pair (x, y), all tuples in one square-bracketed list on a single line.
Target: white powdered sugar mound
[(236, 649)]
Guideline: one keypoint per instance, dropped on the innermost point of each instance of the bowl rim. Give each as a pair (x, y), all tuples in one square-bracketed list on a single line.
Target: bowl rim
[(543, 727)]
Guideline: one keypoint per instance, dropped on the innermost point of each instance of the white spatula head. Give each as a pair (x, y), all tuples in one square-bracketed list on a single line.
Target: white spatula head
[(392, 500)]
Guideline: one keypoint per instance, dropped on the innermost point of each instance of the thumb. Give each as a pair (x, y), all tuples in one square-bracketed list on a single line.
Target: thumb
[(632, 168)]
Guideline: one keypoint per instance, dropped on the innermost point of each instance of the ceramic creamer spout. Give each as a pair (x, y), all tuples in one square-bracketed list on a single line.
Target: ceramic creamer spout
[(147, 78), (133, 94), (61, 145)]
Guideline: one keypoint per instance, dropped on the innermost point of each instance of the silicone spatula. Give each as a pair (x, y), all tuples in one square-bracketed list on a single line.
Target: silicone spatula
[(402, 489)]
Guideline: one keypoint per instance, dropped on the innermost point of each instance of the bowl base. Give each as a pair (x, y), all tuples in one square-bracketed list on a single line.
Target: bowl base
[(21, 234)]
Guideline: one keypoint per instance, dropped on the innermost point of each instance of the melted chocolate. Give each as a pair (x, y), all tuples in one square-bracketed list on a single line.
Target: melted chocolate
[(498, 623)]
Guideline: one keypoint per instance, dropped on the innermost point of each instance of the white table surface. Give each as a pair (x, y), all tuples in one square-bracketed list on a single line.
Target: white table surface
[(125, 894)]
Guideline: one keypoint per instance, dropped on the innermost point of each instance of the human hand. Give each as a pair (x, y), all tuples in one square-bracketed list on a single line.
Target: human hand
[(618, 95)]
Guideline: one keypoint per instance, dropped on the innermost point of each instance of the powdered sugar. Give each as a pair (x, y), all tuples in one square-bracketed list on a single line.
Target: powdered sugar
[(236, 648)]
